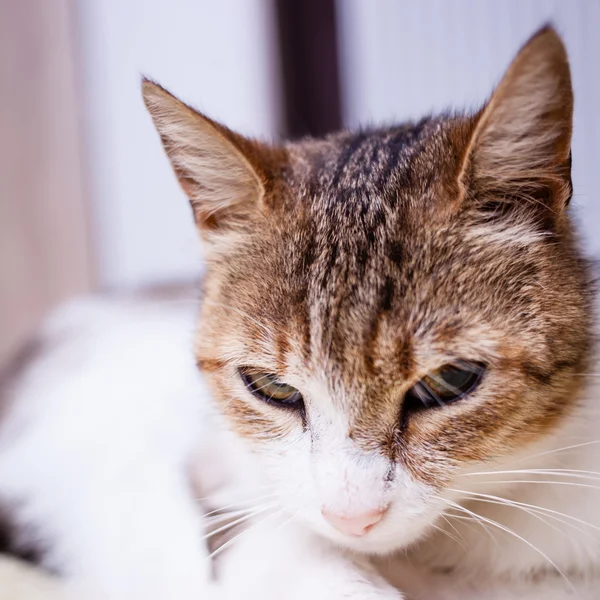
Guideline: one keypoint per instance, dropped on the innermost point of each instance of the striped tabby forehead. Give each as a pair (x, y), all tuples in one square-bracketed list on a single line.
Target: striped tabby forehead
[(358, 177), (365, 296), (369, 252)]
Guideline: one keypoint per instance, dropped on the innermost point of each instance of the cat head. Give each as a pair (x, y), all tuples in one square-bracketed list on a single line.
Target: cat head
[(388, 309)]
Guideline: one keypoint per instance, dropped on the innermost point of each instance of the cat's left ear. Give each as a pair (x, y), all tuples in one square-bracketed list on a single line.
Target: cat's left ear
[(520, 150), (226, 176)]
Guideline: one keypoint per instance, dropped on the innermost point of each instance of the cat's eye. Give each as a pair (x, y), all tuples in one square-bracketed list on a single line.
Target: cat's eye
[(448, 384), (267, 386)]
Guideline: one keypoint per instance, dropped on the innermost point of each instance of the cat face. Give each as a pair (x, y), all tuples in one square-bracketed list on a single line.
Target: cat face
[(386, 310)]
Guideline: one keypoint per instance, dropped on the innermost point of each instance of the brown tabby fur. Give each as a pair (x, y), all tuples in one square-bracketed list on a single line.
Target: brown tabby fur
[(365, 260)]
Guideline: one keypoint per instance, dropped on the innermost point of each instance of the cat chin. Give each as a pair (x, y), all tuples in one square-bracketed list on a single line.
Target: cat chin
[(375, 545)]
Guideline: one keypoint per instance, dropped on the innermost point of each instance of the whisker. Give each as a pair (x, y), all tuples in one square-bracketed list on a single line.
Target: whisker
[(450, 524), (594, 475), (564, 449), (227, 516), (433, 394), (288, 521), (233, 539), (262, 387), (419, 391), (531, 509), (543, 481), (237, 521), (468, 366), (237, 504), (449, 387), (511, 532), (473, 521), (448, 534)]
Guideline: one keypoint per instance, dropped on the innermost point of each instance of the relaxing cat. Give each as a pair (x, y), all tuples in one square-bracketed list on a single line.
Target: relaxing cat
[(397, 334)]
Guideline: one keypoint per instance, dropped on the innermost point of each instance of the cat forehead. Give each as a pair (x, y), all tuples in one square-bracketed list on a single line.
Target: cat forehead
[(346, 166), (375, 302), (360, 236)]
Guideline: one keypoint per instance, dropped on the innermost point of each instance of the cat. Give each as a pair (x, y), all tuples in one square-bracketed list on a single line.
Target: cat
[(397, 399)]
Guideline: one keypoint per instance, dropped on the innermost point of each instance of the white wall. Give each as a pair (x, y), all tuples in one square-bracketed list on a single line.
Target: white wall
[(217, 55), (403, 58), (399, 59)]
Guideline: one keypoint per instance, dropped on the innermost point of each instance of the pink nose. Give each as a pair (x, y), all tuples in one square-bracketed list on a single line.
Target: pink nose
[(355, 525)]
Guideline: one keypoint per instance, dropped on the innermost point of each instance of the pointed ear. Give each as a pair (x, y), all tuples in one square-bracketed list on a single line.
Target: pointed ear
[(520, 150), (220, 171)]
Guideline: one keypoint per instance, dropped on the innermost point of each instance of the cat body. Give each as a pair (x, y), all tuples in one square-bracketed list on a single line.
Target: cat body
[(397, 399), (477, 561)]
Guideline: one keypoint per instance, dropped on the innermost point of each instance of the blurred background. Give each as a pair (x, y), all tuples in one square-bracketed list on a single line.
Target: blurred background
[(87, 198)]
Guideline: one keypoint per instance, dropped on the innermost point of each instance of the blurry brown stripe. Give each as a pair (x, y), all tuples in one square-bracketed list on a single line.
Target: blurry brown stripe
[(15, 367)]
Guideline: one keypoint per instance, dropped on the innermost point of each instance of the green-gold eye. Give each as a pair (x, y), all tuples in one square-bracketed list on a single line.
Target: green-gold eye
[(448, 384), (267, 387)]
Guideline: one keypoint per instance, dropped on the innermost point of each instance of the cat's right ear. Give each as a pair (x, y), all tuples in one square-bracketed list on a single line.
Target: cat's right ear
[(225, 175), (519, 153)]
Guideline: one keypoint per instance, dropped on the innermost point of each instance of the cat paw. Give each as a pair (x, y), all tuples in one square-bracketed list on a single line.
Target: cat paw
[(358, 585)]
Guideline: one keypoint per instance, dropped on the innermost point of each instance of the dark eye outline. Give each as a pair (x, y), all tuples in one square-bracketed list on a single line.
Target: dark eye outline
[(421, 396), (250, 375)]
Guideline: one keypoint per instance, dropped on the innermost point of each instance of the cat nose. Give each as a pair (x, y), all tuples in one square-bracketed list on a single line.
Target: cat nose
[(354, 525)]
